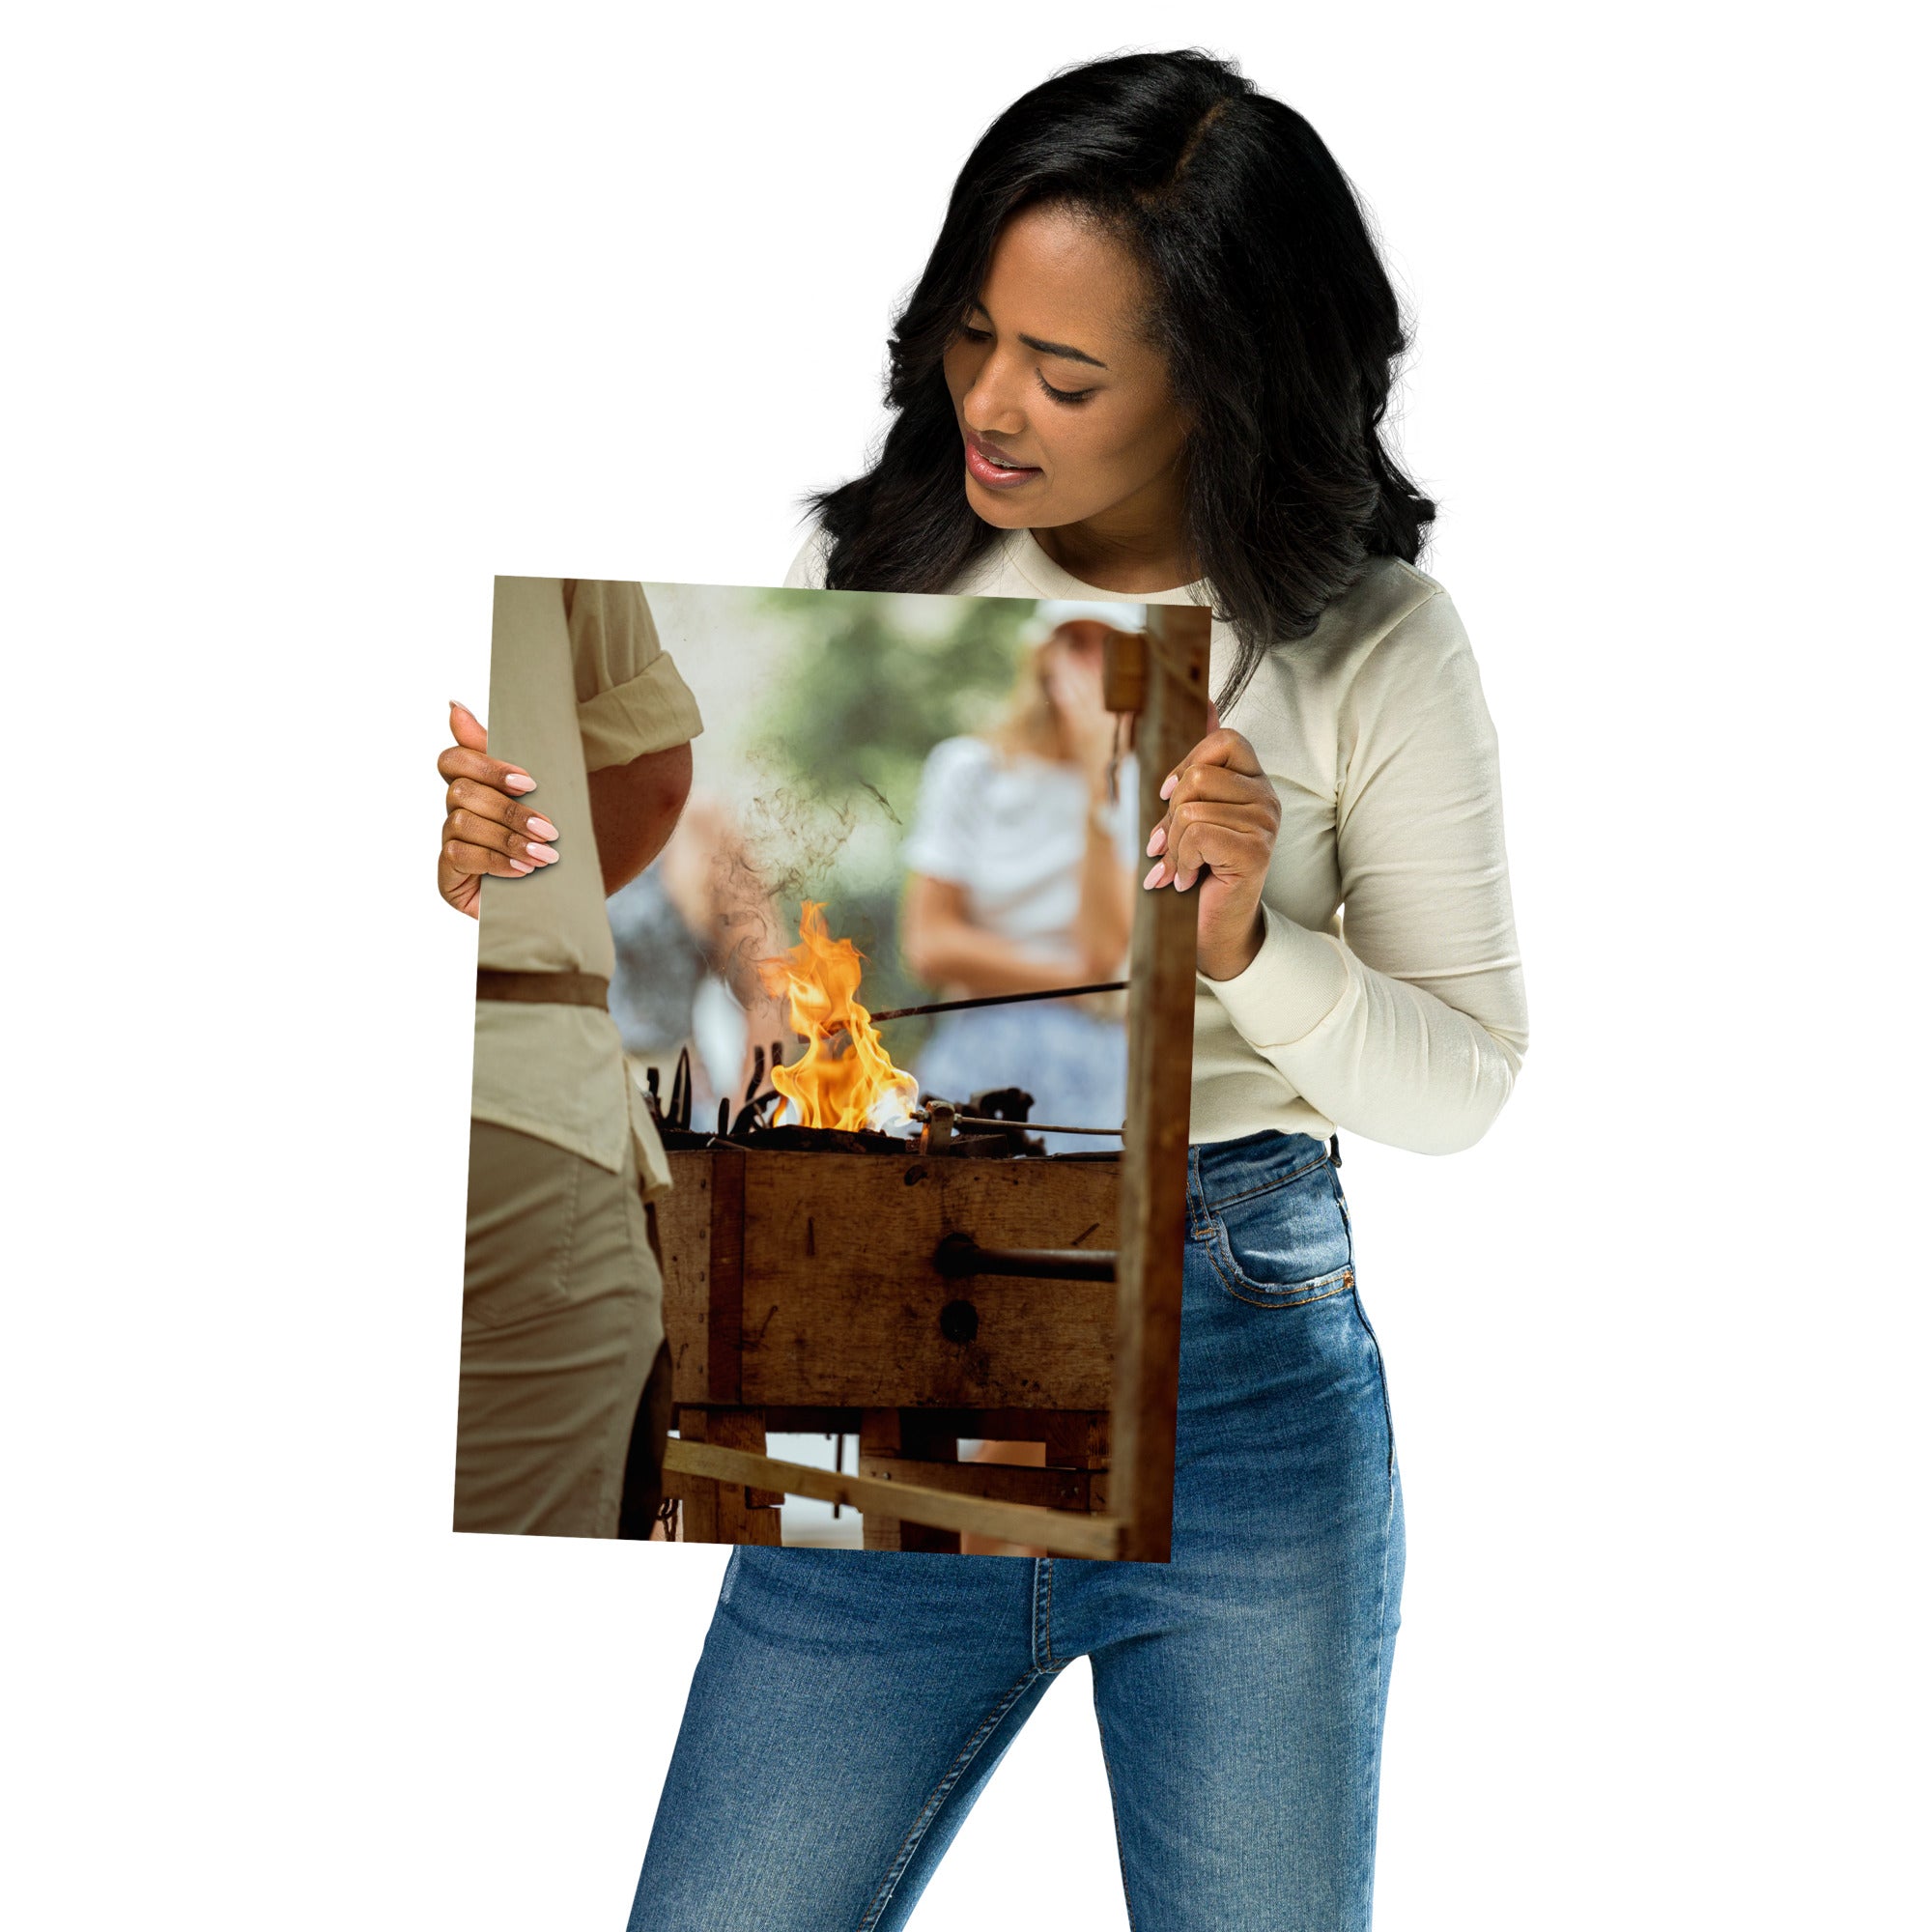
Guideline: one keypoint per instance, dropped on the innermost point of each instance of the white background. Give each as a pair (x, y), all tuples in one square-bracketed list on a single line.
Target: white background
[(318, 319)]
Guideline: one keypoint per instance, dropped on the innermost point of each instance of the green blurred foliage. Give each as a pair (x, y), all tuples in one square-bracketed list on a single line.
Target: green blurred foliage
[(874, 682)]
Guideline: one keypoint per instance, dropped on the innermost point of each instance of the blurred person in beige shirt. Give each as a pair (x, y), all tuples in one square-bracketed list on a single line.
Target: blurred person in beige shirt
[(564, 1394)]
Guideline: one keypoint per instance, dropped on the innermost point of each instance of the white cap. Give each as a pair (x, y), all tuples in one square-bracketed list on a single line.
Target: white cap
[(1050, 613)]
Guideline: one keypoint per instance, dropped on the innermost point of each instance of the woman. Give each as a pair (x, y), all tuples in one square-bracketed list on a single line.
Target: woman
[(1018, 879), (1148, 359)]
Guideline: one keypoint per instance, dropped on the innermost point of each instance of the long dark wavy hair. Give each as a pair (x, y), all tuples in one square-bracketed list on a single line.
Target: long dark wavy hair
[(1269, 303)]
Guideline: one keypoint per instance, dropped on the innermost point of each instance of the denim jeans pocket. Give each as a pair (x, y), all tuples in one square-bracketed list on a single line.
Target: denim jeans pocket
[(1285, 1243)]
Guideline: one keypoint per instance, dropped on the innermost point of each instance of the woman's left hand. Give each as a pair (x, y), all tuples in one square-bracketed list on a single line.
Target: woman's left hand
[(1222, 817)]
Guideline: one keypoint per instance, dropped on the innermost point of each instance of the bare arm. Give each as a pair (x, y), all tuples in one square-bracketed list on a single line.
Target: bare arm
[(940, 943), (634, 809)]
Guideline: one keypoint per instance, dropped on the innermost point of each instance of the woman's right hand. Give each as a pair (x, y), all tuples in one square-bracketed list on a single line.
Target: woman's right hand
[(487, 830)]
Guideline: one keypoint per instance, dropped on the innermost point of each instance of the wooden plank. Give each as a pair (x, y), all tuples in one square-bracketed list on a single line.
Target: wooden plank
[(698, 1516), (879, 1437), (1076, 1437), (1161, 1040), (724, 1312), (1049, 1489), (782, 1419), (1073, 1440), (1084, 1427), (924, 1438), (843, 1306), (1060, 1531), (684, 1229), (1123, 674), (747, 1511)]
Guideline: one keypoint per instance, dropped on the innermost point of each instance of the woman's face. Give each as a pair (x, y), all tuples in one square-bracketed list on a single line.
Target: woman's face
[(1066, 410)]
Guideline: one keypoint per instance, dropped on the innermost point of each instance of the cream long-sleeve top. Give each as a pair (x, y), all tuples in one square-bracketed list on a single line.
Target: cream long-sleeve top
[(1387, 997)]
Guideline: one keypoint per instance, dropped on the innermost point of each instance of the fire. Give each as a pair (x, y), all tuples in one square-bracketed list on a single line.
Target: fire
[(856, 1086)]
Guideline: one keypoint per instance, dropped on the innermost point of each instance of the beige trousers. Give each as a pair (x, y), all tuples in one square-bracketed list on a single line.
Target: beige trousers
[(562, 1322)]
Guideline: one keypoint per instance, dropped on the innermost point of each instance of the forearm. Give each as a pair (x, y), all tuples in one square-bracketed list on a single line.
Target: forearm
[(972, 962), (633, 810)]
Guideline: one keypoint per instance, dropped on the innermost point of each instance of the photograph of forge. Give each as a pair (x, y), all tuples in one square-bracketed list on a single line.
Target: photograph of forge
[(974, 1277)]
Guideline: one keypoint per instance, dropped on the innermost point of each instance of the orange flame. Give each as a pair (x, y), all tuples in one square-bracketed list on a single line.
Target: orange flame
[(858, 1087)]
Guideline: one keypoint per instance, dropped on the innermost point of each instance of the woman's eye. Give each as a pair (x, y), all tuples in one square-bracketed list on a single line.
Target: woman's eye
[(972, 334), (1063, 396)]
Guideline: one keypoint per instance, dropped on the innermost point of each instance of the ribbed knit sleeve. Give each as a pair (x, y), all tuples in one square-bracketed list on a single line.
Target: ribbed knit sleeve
[(1410, 1027)]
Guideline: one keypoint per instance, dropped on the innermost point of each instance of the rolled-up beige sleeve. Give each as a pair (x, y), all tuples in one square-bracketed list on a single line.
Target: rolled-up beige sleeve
[(629, 698)]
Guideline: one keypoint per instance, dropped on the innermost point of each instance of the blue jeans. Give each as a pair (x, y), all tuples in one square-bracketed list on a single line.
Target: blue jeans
[(849, 1707)]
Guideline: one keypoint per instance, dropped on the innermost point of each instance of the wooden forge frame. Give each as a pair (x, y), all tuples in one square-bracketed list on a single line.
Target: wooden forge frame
[(1108, 1490)]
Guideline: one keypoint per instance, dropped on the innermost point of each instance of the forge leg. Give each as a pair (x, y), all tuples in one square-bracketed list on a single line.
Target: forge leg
[(1076, 1438), (909, 1432), (923, 1440), (696, 1495), (727, 1512), (879, 1436)]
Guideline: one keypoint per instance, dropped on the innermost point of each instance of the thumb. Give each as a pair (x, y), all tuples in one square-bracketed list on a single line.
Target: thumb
[(1213, 717), (466, 728)]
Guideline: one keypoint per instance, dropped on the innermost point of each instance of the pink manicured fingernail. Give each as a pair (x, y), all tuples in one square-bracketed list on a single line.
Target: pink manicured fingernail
[(1158, 842), (518, 782), (1154, 878), (516, 866), (543, 854), (1167, 790), (542, 828)]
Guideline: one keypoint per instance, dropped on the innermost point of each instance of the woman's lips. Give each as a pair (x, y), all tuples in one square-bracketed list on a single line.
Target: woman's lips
[(988, 467)]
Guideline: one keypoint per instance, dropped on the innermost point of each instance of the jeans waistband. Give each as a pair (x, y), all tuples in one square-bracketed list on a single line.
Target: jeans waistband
[(1223, 1171)]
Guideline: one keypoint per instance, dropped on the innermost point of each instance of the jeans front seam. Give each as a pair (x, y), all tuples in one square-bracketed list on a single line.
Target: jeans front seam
[(1113, 1804), (1388, 1408), (968, 1751), (1368, 1798), (1370, 1781), (1042, 1618)]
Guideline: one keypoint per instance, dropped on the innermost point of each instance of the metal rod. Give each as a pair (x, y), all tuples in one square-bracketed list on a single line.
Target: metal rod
[(1026, 1126), (1002, 1000), (960, 1255)]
